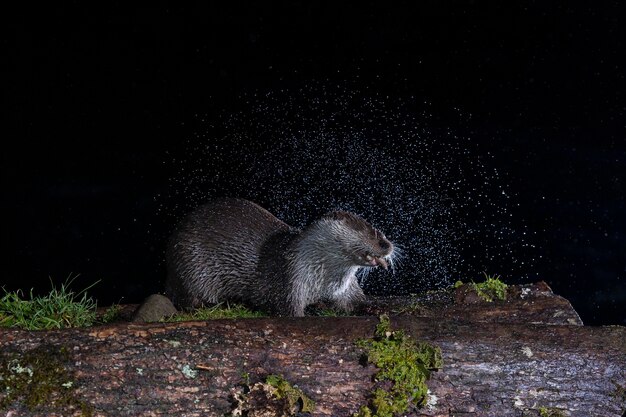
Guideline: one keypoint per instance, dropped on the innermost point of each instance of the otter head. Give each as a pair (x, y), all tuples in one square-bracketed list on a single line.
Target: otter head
[(362, 243)]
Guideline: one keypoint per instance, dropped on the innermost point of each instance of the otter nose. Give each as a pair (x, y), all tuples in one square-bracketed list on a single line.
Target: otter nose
[(384, 244)]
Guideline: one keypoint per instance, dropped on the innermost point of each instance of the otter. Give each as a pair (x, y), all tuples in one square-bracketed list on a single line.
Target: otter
[(234, 250)]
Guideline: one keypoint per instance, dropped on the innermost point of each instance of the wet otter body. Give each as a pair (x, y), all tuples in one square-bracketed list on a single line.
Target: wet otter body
[(234, 250)]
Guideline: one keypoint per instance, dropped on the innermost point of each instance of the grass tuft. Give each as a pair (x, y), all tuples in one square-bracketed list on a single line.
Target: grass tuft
[(218, 311), (491, 289), (60, 308)]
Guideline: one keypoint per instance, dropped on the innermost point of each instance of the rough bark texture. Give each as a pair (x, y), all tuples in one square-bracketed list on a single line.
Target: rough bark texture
[(491, 367), (526, 304)]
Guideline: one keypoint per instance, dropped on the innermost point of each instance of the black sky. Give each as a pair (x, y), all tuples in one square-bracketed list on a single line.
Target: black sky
[(101, 98)]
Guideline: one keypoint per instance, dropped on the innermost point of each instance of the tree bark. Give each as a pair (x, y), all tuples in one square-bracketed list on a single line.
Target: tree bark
[(492, 366)]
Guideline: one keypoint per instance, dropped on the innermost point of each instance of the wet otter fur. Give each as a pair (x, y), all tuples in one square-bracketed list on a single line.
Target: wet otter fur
[(234, 250)]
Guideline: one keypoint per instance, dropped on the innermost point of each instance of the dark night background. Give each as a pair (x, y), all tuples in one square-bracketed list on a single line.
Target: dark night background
[(101, 98)]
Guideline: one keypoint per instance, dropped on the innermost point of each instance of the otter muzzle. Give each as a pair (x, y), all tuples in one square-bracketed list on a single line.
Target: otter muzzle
[(382, 262)]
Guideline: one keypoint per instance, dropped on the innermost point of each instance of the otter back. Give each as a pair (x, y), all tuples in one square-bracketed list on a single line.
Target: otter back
[(227, 250)]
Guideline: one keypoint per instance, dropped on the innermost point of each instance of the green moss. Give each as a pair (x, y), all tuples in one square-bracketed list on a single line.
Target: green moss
[(293, 395), (414, 308), (550, 412), (245, 377), (274, 396), (405, 363), (38, 379), (219, 311), (458, 284), (383, 328), (491, 289), (111, 314), (330, 312)]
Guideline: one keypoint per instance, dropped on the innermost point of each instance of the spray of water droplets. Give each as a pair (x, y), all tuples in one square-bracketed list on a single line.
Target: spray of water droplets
[(301, 153)]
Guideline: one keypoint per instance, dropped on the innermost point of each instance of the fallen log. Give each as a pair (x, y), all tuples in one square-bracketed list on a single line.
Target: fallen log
[(491, 367)]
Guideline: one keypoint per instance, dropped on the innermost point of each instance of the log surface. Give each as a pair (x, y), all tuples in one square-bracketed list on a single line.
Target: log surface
[(530, 303), (490, 368)]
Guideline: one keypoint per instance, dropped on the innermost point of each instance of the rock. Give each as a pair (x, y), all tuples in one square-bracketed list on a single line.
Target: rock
[(154, 308)]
